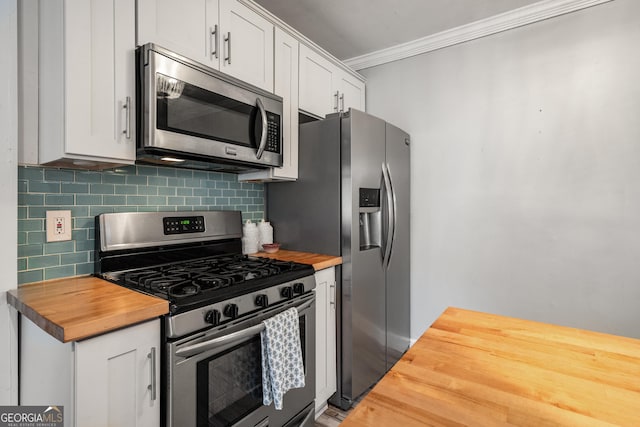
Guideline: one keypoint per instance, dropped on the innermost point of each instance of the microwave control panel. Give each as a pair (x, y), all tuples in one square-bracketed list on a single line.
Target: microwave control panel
[(273, 133), (183, 224)]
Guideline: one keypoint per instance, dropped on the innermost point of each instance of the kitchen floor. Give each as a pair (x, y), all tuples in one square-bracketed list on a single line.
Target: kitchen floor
[(331, 417)]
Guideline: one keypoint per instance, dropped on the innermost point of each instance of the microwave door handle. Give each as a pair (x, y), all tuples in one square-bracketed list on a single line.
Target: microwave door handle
[(263, 137)]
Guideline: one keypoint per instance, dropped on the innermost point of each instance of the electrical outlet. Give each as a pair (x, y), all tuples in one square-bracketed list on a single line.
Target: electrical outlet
[(58, 226)]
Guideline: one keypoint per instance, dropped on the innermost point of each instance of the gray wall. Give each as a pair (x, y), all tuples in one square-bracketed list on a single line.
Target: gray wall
[(525, 170)]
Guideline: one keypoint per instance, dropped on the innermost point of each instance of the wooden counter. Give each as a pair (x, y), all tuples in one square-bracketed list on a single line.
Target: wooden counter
[(480, 369), (318, 261), (75, 308)]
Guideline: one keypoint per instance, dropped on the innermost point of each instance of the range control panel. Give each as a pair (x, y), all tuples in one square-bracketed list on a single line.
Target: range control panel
[(183, 224)]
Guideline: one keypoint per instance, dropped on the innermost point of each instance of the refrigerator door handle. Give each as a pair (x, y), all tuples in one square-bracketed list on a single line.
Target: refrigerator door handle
[(388, 239), (393, 211)]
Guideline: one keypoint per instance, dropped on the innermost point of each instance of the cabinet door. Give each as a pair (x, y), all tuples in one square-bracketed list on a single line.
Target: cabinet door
[(99, 44), (325, 336), (187, 27), (246, 44), (351, 93), (317, 82), (117, 378), (286, 86)]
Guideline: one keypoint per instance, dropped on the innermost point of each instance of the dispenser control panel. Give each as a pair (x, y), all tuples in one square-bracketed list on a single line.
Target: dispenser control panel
[(369, 197)]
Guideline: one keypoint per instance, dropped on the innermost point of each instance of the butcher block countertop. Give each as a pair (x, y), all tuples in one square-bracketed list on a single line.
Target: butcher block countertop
[(75, 308), (477, 369), (318, 261)]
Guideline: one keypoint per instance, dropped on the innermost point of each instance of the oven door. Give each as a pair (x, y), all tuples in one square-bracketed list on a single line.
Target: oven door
[(215, 377), (196, 112)]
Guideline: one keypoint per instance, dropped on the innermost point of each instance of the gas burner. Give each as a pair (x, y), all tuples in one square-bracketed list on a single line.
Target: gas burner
[(234, 278), (212, 282), (184, 290)]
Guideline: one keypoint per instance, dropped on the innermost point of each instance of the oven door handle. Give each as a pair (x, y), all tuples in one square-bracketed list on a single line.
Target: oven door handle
[(192, 350)]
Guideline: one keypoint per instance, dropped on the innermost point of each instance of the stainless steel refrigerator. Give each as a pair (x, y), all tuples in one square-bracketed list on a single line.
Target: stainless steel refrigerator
[(352, 199)]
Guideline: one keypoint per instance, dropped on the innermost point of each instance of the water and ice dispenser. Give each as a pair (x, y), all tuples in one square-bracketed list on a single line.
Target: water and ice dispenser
[(370, 218)]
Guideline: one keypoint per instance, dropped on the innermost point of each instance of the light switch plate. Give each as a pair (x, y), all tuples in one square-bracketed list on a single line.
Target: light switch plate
[(58, 226)]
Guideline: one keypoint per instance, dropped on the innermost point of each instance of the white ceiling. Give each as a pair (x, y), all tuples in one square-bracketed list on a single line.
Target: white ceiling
[(350, 28)]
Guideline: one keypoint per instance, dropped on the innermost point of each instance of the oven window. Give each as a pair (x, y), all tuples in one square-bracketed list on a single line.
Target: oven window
[(190, 110), (229, 384)]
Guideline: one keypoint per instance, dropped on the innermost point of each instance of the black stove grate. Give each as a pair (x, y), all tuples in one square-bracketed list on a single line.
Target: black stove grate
[(188, 284)]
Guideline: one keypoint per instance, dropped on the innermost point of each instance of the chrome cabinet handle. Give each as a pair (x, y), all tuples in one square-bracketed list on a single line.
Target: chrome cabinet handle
[(332, 295), (127, 115), (213, 39), (335, 102), (227, 40), (152, 387), (342, 102), (265, 127)]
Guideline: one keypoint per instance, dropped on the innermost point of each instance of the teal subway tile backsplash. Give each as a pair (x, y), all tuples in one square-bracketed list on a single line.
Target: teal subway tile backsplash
[(128, 189)]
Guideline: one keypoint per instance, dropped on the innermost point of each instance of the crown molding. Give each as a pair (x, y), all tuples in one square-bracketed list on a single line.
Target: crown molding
[(535, 12), (251, 4)]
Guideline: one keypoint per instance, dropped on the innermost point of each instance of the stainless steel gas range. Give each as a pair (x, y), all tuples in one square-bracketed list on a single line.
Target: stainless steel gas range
[(218, 299)]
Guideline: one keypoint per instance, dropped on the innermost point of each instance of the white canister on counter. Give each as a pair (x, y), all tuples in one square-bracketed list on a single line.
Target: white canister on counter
[(265, 232), (250, 238)]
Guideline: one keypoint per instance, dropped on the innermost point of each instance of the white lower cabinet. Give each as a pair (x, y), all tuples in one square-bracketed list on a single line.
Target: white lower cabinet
[(325, 336), (108, 380)]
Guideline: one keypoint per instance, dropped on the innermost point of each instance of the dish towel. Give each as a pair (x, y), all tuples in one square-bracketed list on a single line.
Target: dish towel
[(282, 367)]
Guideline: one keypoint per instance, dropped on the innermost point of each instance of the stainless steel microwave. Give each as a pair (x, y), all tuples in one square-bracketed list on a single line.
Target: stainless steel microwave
[(190, 115)]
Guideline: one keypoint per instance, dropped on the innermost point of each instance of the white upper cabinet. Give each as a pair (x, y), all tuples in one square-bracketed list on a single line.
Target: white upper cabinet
[(86, 81), (225, 35), (326, 88), (187, 27), (286, 86), (246, 44), (317, 81), (351, 93)]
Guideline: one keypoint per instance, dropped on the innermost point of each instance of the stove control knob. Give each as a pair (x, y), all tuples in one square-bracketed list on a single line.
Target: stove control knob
[(213, 317), (286, 292), (262, 300), (231, 310), (298, 288)]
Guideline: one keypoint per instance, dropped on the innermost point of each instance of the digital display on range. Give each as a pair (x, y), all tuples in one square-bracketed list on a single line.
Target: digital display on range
[(183, 224)]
